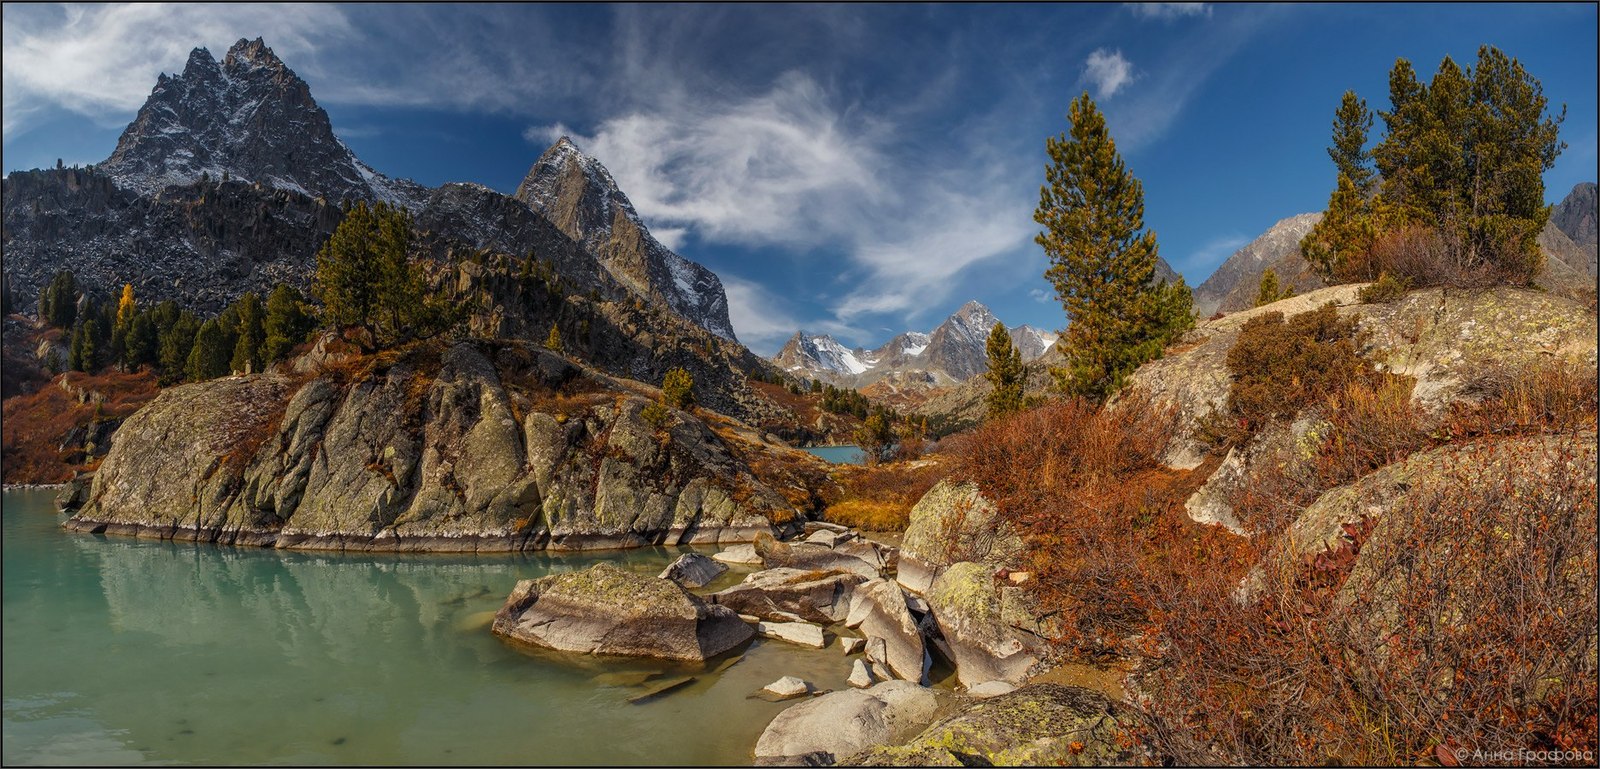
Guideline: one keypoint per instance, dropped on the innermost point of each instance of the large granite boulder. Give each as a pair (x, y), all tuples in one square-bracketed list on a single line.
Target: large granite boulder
[(815, 596), (951, 523), (810, 557), (605, 610), (878, 610), (849, 721), (1036, 725), (473, 446), (967, 604)]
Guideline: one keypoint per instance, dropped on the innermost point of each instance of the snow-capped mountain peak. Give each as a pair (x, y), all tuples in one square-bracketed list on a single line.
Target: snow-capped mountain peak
[(952, 352), (576, 193), (250, 118)]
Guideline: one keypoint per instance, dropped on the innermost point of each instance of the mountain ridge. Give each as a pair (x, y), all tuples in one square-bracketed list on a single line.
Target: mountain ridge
[(953, 352)]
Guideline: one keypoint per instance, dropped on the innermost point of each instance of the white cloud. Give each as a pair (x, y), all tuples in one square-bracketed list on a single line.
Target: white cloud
[(789, 168), (1108, 71), (1169, 11), (768, 169), (1041, 296), (101, 61), (757, 315)]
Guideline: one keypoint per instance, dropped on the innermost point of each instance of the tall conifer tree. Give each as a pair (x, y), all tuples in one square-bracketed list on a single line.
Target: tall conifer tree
[(1005, 373), (1102, 259)]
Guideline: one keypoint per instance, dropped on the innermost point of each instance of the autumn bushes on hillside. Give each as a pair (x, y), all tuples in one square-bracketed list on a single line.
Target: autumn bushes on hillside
[(1459, 617)]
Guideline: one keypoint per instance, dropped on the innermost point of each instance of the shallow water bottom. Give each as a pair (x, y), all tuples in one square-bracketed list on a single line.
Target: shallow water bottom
[(125, 651)]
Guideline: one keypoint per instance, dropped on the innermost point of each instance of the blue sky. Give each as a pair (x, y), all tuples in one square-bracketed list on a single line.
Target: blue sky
[(856, 170)]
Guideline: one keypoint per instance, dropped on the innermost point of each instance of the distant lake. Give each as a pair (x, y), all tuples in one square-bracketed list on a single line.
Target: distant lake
[(135, 651), (841, 455)]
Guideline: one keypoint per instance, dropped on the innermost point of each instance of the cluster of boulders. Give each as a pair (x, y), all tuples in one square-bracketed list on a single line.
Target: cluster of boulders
[(950, 591)]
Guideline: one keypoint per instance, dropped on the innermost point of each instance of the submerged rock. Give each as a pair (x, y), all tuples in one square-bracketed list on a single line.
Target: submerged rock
[(848, 721), (1037, 725), (802, 633), (606, 610), (693, 570)]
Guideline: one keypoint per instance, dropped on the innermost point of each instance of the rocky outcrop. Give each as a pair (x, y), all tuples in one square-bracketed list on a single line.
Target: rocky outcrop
[(953, 523), (604, 610), (1447, 339), (1037, 725), (1322, 526), (773, 594), (846, 722), (471, 447), (968, 606)]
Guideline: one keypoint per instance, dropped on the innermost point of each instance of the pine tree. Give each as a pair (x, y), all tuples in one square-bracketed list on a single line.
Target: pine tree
[(175, 344), (1005, 373), (208, 359), (287, 323), (58, 304), (1267, 291), (251, 334), (1349, 151), (142, 346), (366, 280), (1465, 155), (677, 388), (553, 340), (1102, 259)]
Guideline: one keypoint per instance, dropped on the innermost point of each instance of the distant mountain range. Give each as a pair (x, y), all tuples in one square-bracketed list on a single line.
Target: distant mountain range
[(951, 353)]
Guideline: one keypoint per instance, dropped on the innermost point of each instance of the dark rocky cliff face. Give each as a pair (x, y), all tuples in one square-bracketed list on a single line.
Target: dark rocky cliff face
[(202, 244), (579, 196), (474, 446)]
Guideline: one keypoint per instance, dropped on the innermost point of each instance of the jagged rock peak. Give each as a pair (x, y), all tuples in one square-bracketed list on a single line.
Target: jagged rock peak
[(1575, 214), (250, 118), (577, 194), (252, 52)]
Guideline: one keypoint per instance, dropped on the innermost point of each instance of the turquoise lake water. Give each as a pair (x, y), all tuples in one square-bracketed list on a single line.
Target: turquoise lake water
[(128, 651), (840, 455)]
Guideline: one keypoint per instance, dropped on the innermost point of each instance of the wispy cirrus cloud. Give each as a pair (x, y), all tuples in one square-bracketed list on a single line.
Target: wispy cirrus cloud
[(1169, 11), (1148, 108)]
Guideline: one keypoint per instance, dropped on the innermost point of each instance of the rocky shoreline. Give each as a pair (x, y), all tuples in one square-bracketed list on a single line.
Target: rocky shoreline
[(474, 447)]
